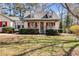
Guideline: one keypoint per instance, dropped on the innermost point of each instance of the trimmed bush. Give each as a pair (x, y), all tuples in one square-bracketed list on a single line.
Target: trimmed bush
[(74, 29), (51, 32), (28, 31), (7, 30), (60, 31)]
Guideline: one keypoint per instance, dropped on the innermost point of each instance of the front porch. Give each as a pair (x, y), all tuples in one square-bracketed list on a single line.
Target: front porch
[(42, 25)]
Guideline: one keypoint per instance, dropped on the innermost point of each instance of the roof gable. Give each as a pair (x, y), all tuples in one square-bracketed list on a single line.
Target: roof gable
[(29, 16), (45, 16), (42, 14)]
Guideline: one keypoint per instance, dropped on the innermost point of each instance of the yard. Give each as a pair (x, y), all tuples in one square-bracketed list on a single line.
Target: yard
[(38, 45)]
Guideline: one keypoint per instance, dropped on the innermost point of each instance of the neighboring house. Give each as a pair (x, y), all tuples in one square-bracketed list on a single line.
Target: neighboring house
[(10, 21), (17, 23), (32, 20), (5, 21)]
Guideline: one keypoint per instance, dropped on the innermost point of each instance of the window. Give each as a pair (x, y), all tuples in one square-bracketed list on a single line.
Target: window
[(32, 24), (50, 24), (22, 26), (50, 14), (3, 24), (18, 26)]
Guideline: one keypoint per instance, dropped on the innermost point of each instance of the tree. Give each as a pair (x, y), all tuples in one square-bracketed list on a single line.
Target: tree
[(20, 8), (62, 15), (68, 21), (72, 8)]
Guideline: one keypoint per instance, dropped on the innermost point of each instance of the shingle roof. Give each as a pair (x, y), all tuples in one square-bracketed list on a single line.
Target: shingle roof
[(14, 18), (43, 19), (6, 17), (40, 15), (29, 16)]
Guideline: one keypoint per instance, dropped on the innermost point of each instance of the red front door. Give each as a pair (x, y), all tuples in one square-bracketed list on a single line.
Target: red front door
[(6, 23)]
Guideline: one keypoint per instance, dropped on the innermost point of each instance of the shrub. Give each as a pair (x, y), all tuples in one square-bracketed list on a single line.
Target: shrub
[(7, 30), (74, 29), (51, 32), (60, 31), (28, 31)]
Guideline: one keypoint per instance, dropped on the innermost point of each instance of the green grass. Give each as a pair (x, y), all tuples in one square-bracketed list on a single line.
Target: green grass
[(26, 43)]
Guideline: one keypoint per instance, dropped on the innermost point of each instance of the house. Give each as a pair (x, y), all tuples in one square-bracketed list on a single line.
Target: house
[(10, 21), (42, 21), (32, 20), (5, 21)]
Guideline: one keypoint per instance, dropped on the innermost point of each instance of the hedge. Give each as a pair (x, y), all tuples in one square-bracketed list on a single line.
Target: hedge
[(60, 31), (28, 31), (51, 32), (7, 30)]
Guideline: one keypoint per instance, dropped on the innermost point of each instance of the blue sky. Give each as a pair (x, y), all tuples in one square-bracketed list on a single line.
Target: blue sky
[(58, 7)]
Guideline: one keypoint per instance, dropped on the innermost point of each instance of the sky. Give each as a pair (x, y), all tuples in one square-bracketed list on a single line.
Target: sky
[(58, 7)]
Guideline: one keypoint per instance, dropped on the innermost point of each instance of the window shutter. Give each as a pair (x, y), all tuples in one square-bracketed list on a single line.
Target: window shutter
[(52, 24), (0, 23), (46, 25), (6, 23), (36, 25), (28, 25)]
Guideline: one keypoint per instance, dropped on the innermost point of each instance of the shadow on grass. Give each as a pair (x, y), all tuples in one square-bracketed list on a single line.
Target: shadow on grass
[(67, 53), (25, 52)]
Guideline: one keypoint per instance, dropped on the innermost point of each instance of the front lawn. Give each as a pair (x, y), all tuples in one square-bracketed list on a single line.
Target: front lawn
[(38, 45)]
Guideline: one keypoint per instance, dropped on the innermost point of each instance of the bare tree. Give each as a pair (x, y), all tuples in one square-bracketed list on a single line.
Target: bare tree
[(61, 13), (72, 7)]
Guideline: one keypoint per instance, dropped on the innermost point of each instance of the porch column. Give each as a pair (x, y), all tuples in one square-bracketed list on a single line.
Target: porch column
[(26, 25), (39, 26), (16, 25), (20, 25), (57, 25), (44, 27)]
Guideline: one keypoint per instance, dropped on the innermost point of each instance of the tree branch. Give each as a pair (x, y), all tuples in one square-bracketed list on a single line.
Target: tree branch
[(68, 8)]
